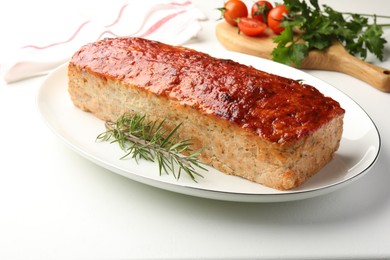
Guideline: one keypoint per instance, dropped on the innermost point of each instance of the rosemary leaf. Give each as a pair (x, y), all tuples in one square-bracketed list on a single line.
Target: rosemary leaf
[(150, 141)]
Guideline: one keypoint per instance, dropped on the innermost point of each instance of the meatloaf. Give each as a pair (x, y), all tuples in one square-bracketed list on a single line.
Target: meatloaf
[(268, 129)]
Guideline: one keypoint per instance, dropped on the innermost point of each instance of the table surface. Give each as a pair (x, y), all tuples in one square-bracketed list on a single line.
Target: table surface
[(56, 204)]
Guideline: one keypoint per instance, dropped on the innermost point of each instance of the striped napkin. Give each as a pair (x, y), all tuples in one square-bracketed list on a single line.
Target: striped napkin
[(174, 22)]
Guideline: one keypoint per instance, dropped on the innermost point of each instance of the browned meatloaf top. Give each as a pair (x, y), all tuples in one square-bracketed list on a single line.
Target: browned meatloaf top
[(276, 108)]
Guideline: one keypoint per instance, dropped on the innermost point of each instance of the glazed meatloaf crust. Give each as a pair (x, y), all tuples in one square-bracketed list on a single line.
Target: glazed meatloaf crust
[(265, 128)]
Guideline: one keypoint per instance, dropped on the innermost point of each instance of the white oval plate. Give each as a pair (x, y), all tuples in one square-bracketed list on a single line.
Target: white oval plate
[(359, 148)]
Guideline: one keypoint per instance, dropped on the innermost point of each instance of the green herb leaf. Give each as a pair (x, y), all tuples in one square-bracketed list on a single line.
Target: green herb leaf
[(373, 40), (319, 27), (151, 141), (291, 55), (315, 4)]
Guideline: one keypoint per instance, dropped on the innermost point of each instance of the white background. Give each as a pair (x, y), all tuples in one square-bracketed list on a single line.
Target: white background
[(56, 204)]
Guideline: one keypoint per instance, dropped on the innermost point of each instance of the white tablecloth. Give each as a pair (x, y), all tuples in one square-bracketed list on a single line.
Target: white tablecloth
[(54, 204)]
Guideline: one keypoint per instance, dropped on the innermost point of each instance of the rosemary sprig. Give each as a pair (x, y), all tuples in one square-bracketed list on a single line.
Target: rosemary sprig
[(149, 140)]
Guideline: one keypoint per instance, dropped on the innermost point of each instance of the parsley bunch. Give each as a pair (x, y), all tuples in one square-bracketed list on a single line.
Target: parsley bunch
[(317, 27)]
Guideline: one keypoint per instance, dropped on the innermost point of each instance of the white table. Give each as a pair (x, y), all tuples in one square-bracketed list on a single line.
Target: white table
[(56, 204)]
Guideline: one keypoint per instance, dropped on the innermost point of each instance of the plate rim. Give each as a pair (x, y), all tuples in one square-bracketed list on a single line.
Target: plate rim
[(208, 193)]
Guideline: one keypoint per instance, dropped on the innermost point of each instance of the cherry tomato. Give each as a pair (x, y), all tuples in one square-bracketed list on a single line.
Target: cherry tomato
[(251, 26), (275, 18), (234, 9), (260, 10)]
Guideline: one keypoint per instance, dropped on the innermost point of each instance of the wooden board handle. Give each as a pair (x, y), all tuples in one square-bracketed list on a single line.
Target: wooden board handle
[(335, 58)]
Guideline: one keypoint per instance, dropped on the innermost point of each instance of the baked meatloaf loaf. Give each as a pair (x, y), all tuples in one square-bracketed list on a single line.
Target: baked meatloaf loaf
[(265, 128)]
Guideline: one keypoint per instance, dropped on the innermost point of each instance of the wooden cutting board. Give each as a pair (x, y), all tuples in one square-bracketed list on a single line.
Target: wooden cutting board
[(335, 58)]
